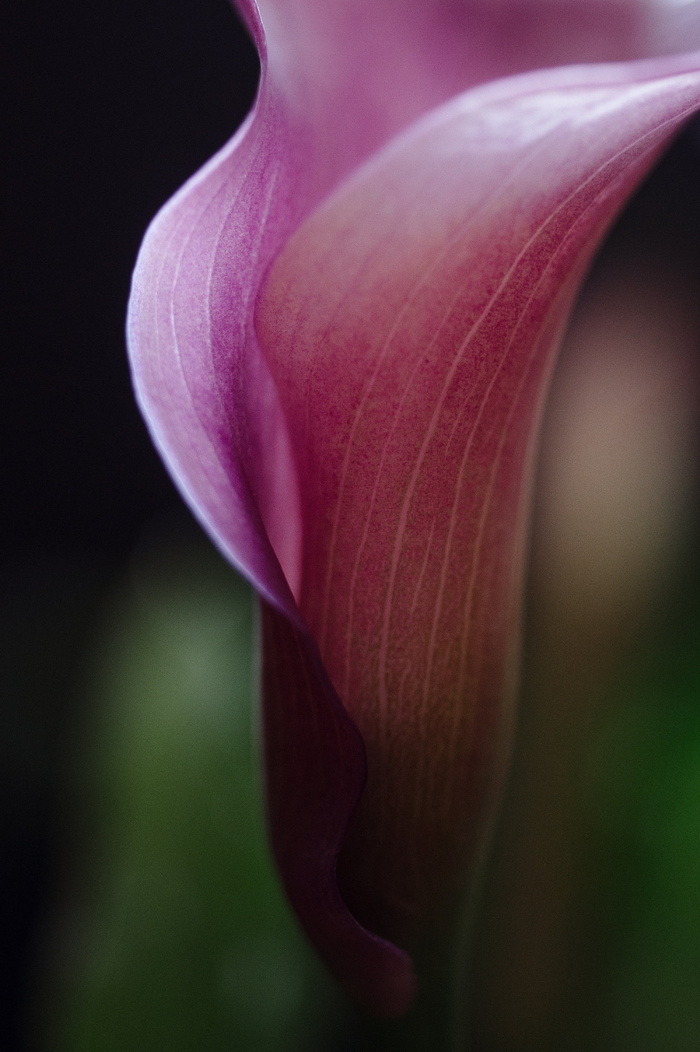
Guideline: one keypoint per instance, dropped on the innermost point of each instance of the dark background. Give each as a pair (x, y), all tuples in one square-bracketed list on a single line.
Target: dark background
[(106, 109)]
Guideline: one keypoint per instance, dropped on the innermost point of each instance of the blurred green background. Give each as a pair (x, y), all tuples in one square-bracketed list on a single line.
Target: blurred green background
[(170, 930), (166, 927)]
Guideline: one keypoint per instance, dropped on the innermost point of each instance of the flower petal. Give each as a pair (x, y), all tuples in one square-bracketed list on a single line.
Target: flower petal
[(360, 72), (411, 324), (213, 407), (341, 79), (314, 756), (199, 377), (213, 411)]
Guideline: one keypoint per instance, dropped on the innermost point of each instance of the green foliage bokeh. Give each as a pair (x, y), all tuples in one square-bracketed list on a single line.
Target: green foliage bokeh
[(180, 935)]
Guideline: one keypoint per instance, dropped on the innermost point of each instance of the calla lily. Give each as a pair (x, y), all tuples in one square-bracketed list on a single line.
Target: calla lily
[(341, 332)]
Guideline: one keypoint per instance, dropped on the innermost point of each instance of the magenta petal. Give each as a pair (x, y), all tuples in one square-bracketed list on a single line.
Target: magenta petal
[(193, 356), (342, 77), (411, 324), (315, 763), (367, 309), (203, 386), (356, 72), (213, 411)]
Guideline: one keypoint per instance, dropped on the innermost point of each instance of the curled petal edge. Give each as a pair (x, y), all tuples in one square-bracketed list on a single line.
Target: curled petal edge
[(413, 319), (215, 415)]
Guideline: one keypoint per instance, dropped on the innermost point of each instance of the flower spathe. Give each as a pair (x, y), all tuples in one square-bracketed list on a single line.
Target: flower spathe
[(341, 333)]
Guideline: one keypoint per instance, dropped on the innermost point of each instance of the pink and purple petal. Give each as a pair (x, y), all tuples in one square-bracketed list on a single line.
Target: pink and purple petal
[(411, 325), (469, 235)]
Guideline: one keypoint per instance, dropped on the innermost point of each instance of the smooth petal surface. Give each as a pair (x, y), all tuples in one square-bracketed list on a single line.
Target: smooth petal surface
[(214, 414), (314, 756), (194, 355), (411, 325), (360, 72), (341, 78)]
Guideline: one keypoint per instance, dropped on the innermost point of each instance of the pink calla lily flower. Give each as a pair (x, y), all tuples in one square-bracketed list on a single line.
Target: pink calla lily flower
[(341, 333)]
